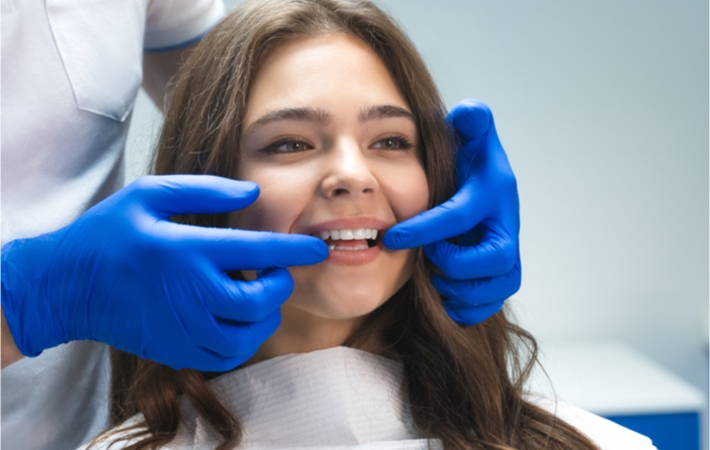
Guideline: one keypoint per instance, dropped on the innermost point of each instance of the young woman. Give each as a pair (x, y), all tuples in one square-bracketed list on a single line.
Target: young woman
[(327, 106)]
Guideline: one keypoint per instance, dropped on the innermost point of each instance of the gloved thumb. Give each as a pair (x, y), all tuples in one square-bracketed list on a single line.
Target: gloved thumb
[(471, 119)]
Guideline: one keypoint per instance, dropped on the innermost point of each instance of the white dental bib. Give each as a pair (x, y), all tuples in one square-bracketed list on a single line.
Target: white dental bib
[(338, 397), (334, 398)]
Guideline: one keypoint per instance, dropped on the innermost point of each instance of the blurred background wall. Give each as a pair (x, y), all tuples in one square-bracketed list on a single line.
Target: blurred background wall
[(602, 108)]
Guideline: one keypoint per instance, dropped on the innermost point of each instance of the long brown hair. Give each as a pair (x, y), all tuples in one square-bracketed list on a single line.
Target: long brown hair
[(464, 384)]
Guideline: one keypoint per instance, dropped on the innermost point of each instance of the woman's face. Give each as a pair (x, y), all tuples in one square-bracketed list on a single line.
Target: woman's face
[(333, 146)]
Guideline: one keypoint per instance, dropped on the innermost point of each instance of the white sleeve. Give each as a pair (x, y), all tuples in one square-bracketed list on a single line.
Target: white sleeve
[(603, 432), (172, 24)]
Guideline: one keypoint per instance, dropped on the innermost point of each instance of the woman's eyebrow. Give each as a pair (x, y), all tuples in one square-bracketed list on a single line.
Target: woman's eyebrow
[(296, 114), (384, 111)]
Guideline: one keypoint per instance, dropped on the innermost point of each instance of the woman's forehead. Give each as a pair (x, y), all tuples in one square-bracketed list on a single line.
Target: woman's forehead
[(332, 72)]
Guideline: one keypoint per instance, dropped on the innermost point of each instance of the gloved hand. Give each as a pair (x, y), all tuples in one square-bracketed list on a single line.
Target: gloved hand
[(485, 270), (125, 275)]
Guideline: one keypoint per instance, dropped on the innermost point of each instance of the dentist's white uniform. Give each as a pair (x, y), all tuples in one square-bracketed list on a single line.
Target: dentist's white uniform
[(71, 70)]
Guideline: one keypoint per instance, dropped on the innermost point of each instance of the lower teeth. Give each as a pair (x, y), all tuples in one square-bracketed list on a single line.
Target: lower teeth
[(344, 247)]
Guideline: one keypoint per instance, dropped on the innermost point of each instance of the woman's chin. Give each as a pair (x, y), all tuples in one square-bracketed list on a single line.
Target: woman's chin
[(339, 305)]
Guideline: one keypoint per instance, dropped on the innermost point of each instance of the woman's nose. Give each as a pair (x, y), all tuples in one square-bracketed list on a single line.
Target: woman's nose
[(348, 173)]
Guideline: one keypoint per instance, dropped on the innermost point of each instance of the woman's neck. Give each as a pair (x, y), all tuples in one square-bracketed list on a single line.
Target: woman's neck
[(302, 332)]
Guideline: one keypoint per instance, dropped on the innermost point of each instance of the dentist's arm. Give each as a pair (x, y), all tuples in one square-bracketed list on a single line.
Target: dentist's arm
[(484, 271), (125, 275)]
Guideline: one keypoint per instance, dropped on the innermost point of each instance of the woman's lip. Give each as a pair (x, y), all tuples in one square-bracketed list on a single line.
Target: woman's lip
[(349, 223), (354, 257)]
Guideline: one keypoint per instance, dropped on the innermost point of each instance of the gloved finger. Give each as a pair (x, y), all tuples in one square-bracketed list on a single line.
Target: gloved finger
[(213, 362), (494, 255), (252, 301), (189, 356), (168, 195), (477, 292), (475, 314), (474, 301), (231, 249), (471, 119), (226, 348), (230, 343), (469, 206)]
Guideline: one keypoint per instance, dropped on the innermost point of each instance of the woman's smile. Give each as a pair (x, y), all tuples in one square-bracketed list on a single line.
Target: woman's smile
[(351, 241)]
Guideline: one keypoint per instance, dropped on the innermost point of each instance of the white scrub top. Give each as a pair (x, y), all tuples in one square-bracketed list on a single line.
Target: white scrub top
[(340, 398), (71, 70)]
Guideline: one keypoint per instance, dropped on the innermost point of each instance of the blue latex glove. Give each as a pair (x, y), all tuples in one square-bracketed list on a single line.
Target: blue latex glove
[(125, 275), (485, 270)]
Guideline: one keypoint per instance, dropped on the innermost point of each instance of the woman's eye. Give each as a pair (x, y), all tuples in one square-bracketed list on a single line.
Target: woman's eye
[(393, 143), (287, 146)]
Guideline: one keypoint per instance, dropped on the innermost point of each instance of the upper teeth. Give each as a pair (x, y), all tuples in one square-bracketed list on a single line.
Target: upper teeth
[(348, 235)]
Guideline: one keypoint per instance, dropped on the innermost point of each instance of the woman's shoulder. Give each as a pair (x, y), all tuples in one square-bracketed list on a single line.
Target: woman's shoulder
[(119, 437), (603, 432)]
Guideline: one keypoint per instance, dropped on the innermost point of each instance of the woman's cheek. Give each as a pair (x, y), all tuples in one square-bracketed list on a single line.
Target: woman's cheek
[(410, 197), (277, 210), (277, 205)]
